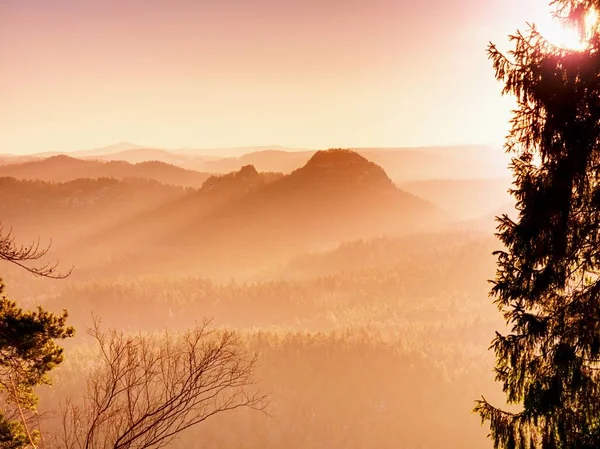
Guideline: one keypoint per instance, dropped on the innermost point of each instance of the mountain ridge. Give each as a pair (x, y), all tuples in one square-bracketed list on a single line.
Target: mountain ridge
[(402, 164), (247, 219), (63, 168)]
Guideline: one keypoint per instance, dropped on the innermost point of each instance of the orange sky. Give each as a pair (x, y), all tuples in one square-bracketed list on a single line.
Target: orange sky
[(78, 74)]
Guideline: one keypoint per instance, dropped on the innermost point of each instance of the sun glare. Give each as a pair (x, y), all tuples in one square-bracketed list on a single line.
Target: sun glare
[(565, 36)]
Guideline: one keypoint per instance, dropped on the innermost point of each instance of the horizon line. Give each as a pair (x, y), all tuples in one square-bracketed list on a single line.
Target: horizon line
[(265, 147)]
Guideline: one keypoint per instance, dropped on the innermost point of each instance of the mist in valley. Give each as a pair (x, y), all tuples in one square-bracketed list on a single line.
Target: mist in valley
[(364, 299), (168, 281)]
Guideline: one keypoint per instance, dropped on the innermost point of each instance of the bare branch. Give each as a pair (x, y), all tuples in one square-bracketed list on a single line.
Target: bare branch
[(146, 390), (23, 255)]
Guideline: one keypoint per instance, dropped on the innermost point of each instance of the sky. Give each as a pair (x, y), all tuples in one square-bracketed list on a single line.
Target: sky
[(79, 74)]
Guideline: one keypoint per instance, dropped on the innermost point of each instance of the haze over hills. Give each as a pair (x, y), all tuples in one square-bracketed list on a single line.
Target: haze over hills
[(64, 212), (244, 219), (135, 156), (284, 206), (336, 195), (466, 198), (94, 152), (172, 221), (65, 168), (453, 162), (331, 260), (126, 147), (468, 182), (401, 164), (404, 322), (264, 160), (252, 217), (7, 159)]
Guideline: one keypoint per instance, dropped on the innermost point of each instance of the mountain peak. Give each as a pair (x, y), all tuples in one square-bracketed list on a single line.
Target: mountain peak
[(335, 156), (345, 165), (247, 171), (245, 179), (58, 159)]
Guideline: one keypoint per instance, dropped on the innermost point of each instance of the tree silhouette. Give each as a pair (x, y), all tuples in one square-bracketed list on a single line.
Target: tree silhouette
[(24, 255), (28, 348), (145, 391), (547, 284), (28, 351)]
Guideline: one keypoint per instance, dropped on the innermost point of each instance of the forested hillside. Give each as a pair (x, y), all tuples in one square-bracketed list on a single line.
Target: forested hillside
[(366, 304)]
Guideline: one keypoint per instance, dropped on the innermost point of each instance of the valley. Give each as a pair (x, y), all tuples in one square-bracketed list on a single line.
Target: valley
[(361, 289)]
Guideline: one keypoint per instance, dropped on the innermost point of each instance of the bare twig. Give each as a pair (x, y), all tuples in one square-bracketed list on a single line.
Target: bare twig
[(146, 390), (23, 255)]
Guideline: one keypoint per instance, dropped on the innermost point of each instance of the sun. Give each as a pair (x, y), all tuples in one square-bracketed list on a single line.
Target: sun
[(565, 36)]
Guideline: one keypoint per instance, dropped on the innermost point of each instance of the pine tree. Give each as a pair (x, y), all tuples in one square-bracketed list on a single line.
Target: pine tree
[(28, 351), (548, 280), (28, 348)]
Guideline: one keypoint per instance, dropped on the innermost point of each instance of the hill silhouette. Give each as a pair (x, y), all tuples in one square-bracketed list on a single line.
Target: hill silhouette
[(63, 168), (264, 161), (338, 167), (234, 222), (338, 195), (245, 180), (72, 210), (188, 210), (401, 164), (137, 155)]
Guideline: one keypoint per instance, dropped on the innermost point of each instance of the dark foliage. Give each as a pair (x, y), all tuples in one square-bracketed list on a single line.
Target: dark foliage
[(28, 351), (547, 285)]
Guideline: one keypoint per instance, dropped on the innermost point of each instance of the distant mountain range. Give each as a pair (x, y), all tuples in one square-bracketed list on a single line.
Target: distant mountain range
[(337, 195), (401, 164), (95, 152), (247, 219), (127, 147), (67, 212), (236, 221), (65, 168), (468, 199)]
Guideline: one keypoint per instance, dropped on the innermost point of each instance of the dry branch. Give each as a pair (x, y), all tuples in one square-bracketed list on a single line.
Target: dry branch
[(22, 255), (146, 390)]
